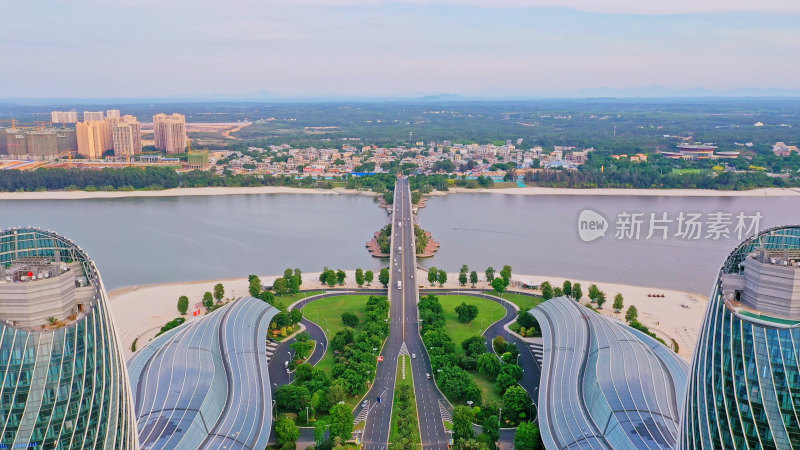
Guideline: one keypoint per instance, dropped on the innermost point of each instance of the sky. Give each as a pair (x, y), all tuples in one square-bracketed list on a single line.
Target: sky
[(376, 48)]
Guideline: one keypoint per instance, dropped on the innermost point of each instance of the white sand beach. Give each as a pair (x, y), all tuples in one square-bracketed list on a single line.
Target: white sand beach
[(206, 191), (140, 311), (177, 192)]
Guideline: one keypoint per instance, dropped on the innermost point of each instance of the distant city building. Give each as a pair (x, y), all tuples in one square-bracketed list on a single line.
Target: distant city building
[(169, 133), (781, 149), (197, 160), (127, 136), (37, 144), (64, 117), (91, 138), (93, 116), (113, 114), (65, 382), (605, 385), (205, 384), (744, 389)]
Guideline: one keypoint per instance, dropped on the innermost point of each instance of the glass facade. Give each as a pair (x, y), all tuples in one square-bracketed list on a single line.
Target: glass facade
[(63, 387), (744, 390)]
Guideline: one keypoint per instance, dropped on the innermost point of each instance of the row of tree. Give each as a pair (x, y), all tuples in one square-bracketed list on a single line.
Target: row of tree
[(405, 419)]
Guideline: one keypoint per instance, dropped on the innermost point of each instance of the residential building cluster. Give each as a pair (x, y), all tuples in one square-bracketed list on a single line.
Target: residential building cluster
[(467, 159), (103, 131), (781, 149)]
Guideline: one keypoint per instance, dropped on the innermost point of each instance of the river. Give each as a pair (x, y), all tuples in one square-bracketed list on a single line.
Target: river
[(169, 239)]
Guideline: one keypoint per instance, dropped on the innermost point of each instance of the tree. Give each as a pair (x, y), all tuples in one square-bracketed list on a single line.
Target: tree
[(319, 430), (506, 274), (383, 277), (441, 277), (509, 375), (349, 319), (488, 365), (499, 285), (490, 274), (280, 286), (557, 291), (600, 299), (295, 316), (463, 278), (208, 300), (330, 278), (631, 314), (491, 428), (292, 398), (433, 275), (341, 421), (593, 291), (255, 286), (527, 437), (336, 393), (547, 290), (567, 288), (516, 402), (286, 431), (577, 293), (183, 304), (340, 277), (219, 291), (359, 277), (618, 303), (466, 313), (473, 278), (500, 345), (474, 346), (462, 423), (369, 276)]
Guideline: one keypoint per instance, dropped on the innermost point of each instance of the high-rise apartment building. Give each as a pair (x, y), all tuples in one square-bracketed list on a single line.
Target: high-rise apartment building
[(744, 387), (113, 114), (91, 138), (93, 116), (64, 116), (65, 383), (127, 136), (169, 132)]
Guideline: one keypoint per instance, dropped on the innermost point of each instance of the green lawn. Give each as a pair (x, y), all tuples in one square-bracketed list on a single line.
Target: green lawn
[(399, 381), (288, 299), (488, 313), (524, 302), (488, 389), (327, 313)]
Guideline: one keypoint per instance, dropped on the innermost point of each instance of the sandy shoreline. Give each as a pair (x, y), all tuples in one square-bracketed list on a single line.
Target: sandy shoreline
[(177, 192), (214, 191), (140, 311)]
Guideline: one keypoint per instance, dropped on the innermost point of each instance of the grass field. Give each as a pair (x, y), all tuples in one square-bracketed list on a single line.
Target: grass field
[(459, 331), (488, 313), (524, 302), (399, 381), (327, 313), (288, 299)]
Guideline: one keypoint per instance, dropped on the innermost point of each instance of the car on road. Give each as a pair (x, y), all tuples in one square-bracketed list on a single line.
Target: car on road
[(365, 403), (428, 376), (398, 281), (413, 356)]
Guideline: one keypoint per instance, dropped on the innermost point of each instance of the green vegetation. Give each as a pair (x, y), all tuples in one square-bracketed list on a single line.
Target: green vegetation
[(183, 304), (324, 311), (488, 313), (524, 302), (404, 434), (385, 239), (420, 239), (174, 323)]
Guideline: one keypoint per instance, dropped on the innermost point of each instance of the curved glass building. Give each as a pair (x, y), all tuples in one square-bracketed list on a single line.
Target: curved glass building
[(205, 384), (63, 382), (744, 390), (605, 385)]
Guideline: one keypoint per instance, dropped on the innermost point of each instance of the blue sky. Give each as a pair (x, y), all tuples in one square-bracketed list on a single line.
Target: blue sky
[(149, 48)]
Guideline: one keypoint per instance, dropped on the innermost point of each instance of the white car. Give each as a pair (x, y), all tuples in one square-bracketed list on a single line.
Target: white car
[(413, 356)]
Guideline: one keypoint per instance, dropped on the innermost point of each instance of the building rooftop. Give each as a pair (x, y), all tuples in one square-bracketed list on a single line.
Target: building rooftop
[(605, 385), (205, 384)]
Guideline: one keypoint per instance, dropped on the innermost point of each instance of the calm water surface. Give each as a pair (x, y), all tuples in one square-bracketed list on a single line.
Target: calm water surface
[(156, 240), (164, 239), (538, 235)]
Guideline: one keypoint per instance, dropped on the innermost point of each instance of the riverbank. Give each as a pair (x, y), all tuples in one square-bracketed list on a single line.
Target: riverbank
[(215, 191), (140, 311), (675, 314), (761, 192), (178, 192)]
